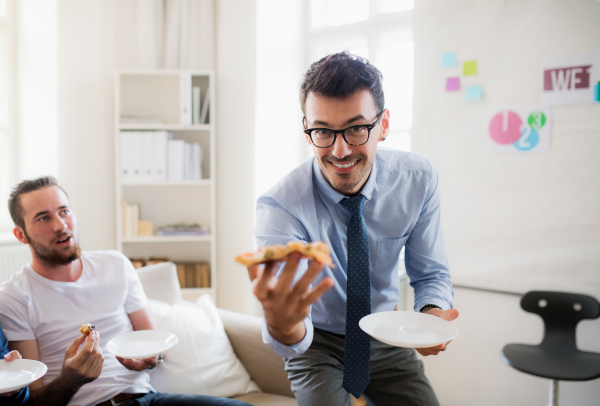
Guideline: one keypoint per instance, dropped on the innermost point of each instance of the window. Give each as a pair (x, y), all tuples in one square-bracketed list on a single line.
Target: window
[(7, 105), (380, 30)]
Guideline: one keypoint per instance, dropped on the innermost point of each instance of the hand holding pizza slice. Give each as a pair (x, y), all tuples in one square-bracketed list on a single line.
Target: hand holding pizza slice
[(287, 303)]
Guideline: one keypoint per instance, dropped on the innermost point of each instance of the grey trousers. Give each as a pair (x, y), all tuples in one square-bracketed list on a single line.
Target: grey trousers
[(397, 375)]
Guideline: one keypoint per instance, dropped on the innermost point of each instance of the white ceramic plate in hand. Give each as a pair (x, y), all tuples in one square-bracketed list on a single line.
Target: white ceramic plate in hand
[(142, 344), (19, 373), (408, 329)]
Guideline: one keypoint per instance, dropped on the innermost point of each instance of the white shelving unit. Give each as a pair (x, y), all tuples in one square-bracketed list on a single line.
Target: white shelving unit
[(166, 94)]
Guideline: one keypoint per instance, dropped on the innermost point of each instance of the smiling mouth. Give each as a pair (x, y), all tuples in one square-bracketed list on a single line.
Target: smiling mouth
[(344, 166)]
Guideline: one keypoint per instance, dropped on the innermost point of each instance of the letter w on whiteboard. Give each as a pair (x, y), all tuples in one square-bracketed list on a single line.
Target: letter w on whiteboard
[(570, 80)]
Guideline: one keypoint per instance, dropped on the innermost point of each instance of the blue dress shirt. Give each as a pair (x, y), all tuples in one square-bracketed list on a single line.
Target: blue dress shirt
[(22, 396), (402, 210)]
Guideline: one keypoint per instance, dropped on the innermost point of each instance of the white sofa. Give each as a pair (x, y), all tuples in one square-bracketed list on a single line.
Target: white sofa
[(265, 367)]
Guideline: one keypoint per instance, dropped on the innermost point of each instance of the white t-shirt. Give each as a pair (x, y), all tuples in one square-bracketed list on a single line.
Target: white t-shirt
[(33, 307)]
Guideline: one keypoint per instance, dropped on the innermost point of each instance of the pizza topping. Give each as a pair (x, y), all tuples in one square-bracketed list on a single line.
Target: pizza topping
[(315, 250)]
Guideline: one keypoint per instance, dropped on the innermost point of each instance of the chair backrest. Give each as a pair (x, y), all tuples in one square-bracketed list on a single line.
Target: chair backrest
[(561, 312)]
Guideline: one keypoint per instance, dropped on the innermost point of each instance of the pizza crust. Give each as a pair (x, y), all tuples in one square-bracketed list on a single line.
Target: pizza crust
[(318, 251)]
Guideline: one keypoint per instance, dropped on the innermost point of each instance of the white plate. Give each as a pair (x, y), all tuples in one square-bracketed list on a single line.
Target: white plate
[(19, 373), (408, 329), (142, 344)]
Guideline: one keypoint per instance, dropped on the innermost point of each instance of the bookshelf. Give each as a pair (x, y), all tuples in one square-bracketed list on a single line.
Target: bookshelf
[(150, 101)]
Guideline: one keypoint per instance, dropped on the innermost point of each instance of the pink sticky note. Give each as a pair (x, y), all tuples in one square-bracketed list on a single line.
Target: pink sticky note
[(452, 84)]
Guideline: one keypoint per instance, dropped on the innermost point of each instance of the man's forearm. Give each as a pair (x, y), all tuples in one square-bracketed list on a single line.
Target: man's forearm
[(56, 393)]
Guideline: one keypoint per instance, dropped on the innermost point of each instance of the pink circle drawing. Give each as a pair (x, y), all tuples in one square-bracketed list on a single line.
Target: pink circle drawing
[(505, 127)]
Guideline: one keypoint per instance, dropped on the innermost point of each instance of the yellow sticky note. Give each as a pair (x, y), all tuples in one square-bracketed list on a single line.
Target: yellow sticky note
[(470, 68)]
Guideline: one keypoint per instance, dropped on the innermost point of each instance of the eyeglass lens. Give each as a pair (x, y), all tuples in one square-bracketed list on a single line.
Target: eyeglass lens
[(356, 135)]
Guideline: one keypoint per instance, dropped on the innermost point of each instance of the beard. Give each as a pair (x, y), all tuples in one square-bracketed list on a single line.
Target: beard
[(347, 181), (53, 257)]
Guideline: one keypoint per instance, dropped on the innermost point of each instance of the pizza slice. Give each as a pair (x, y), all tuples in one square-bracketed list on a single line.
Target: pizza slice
[(318, 251), (86, 329)]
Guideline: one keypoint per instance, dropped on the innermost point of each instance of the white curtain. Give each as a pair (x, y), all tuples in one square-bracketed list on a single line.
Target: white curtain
[(176, 34)]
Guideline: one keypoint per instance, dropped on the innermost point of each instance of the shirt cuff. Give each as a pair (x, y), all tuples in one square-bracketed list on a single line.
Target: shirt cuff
[(288, 351)]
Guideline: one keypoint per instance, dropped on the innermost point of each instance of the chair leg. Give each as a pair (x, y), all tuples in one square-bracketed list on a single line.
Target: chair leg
[(553, 393)]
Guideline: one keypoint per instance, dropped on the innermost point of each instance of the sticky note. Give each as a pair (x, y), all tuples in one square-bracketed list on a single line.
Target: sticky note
[(474, 92), (452, 84), (449, 60), (470, 68)]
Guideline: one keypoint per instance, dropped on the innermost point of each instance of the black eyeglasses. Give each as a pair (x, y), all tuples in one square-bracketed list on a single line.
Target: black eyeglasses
[(354, 135)]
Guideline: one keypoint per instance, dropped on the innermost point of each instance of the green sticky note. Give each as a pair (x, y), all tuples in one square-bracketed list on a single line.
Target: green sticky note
[(470, 68)]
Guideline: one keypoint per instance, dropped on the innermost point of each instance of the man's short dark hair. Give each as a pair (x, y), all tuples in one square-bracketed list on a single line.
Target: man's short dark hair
[(341, 75), (14, 201)]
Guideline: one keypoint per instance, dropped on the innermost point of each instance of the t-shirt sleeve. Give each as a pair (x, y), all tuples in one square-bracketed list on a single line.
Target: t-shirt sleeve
[(136, 297), (14, 316)]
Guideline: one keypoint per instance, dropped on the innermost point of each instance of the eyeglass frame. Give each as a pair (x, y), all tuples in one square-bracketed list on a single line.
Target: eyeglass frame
[(369, 127)]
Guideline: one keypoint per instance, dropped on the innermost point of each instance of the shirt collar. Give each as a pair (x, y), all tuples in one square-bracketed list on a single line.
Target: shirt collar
[(333, 195)]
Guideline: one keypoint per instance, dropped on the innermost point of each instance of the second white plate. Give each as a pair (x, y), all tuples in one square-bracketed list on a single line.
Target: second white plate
[(142, 344), (19, 373), (408, 329)]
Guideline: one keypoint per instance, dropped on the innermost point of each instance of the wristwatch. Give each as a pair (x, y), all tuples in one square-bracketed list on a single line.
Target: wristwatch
[(159, 360), (429, 306)]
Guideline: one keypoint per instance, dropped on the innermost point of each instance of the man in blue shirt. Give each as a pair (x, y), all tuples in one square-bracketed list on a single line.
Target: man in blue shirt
[(19, 397), (366, 204)]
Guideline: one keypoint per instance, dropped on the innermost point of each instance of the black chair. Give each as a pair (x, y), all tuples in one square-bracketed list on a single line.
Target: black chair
[(557, 357)]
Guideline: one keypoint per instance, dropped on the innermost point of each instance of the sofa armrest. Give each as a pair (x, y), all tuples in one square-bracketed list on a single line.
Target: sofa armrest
[(262, 363)]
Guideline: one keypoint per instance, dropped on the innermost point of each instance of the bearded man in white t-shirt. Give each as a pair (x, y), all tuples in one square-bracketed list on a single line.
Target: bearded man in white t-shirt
[(43, 306)]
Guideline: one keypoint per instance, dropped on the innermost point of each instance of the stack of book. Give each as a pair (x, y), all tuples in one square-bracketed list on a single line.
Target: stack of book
[(132, 226), (182, 229), (140, 262), (154, 156), (193, 274)]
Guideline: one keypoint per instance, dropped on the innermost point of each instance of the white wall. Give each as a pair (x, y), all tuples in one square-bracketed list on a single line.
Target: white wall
[(85, 117), (236, 73), (510, 215)]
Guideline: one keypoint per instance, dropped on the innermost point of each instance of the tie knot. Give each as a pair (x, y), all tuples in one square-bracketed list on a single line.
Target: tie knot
[(354, 204)]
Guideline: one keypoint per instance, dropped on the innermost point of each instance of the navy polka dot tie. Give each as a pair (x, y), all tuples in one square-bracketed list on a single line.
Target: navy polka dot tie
[(358, 303)]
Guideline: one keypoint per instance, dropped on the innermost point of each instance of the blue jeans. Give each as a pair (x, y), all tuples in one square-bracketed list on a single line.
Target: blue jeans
[(164, 399)]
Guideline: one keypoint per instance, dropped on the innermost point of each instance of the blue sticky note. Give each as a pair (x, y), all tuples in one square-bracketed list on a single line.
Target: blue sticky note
[(474, 92), (449, 60)]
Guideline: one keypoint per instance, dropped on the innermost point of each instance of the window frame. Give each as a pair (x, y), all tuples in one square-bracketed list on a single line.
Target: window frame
[(8, 29)]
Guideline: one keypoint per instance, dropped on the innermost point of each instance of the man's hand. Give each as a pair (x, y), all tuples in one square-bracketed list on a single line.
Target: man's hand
[(138, 364), (286, 306), (11, 356), (81, 367), (448, 315)]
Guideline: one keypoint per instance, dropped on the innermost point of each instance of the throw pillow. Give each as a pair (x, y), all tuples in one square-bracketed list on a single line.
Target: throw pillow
[(203, 362)]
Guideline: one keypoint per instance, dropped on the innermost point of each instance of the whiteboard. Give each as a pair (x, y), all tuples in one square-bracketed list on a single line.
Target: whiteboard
[(512, 222)]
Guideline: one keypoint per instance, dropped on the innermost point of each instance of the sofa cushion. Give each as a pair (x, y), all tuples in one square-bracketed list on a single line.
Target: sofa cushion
[(267, 399), (203, 362), (266, 368), (160, 282)]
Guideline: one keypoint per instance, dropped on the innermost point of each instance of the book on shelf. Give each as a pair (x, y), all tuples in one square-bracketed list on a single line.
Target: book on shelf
[(131, 225), (182, 230), (193, 274), (154, 156), (196, 104), (205, 106)]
